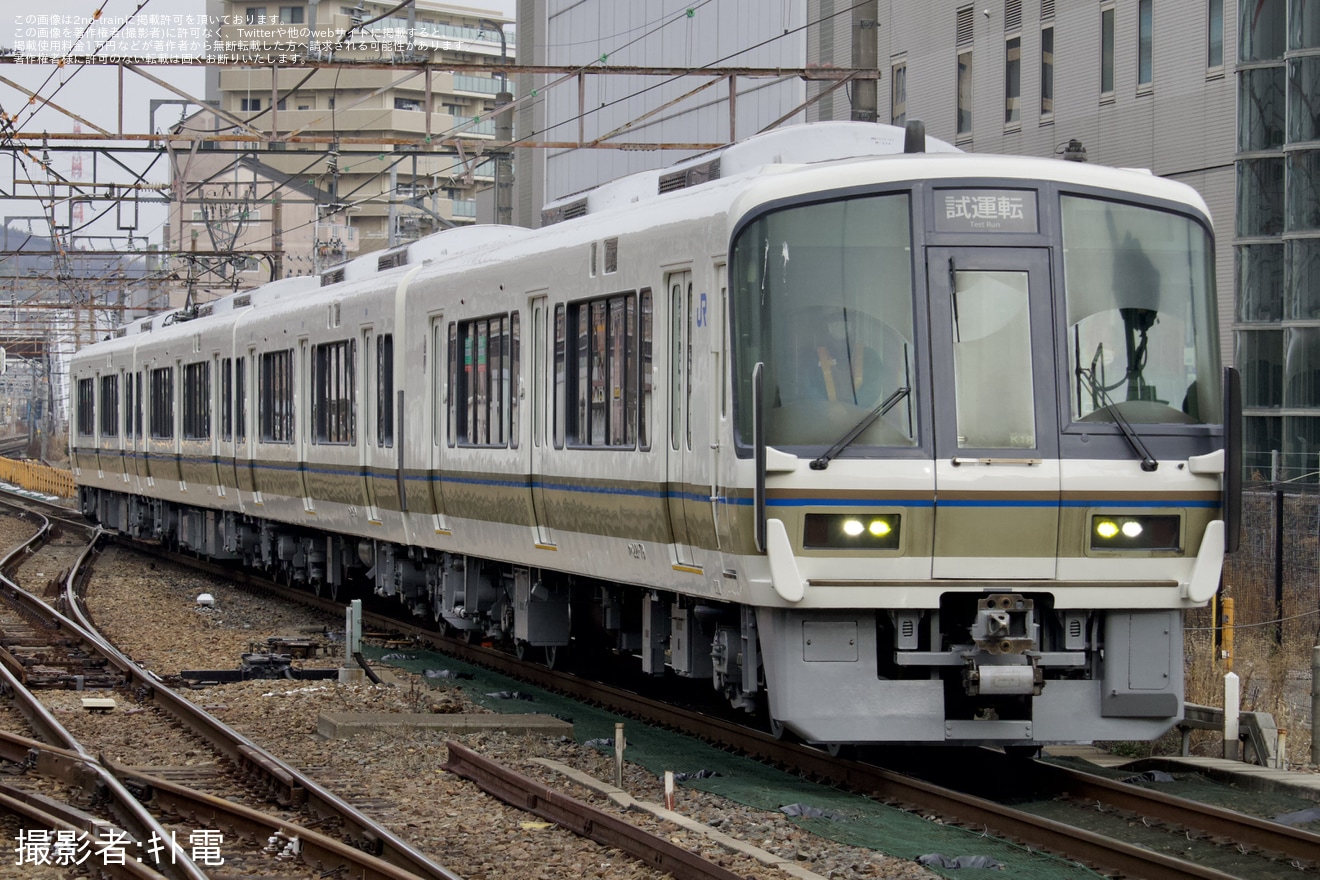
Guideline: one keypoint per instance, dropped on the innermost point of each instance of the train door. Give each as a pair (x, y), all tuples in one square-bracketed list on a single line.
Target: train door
[(996, 413), (221, 402), (371, 437), (719, 414), (536, 449), (442, 348), (679, 458), (303, 421)]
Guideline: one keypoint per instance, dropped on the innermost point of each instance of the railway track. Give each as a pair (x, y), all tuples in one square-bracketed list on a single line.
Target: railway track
[(239, 776), (211, 794), (1256, 848), (1211, 829), (12, 446)]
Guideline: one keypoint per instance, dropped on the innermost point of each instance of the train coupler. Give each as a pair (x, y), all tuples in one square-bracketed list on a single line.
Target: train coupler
[(1005, 624), (992, 680)]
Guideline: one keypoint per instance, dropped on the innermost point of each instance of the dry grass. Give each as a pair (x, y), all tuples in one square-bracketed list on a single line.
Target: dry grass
[(1273, 641)]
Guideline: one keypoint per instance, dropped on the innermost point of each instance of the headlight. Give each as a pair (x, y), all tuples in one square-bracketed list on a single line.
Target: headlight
[(851, 531), (1136, 532)]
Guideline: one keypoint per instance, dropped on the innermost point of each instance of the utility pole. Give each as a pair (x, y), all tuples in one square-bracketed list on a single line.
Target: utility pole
[(276, 237), (503, 135), (865, 55)]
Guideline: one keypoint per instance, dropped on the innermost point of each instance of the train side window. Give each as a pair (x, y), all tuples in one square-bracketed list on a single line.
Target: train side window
[(110, 406), (129, 405), (451, 415), (86, 407), (162, 403), (385, 390), (561, 375), (482, 387), (604, 382), (333, 372), (197, 401), (276, 399), (675, 364), (511, 383), (644, 410), (226, 398), (240, 399), (136, 403)]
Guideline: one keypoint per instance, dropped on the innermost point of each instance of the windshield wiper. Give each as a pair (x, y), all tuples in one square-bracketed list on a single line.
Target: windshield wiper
[(883, 407), (1148, 462)]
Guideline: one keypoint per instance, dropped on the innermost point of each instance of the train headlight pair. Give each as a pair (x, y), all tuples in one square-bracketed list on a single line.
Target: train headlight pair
[(851, 531), (1158, 532)]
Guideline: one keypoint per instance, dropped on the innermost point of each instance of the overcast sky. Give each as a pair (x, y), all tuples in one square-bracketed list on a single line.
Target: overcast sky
[(92, 92)]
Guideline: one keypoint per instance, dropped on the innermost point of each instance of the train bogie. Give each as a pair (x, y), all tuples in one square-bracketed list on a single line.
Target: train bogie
[(897, 449)]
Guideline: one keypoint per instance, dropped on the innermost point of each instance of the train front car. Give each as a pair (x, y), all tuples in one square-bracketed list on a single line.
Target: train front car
[(984, 398)]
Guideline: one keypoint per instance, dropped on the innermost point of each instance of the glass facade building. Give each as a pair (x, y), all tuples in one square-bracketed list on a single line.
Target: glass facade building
[(1277, 236)]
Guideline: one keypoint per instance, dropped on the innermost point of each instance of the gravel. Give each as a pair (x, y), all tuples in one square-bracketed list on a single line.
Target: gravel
[(149, 610)]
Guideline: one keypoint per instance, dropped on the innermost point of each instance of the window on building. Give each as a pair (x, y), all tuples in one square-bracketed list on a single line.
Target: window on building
[(86, 407), (1013, 80), (484, 381), (276, 403), (197, 401), (162, 403), (254, 15), (1107, 51), (226, 398), (332, 392), (1047, 73), (385, 390), (249, 105), (898, 93), (965, 94), (963, 37), (407, 104), (292, 14), (1214, 51), (1145, 42), (597, 372), (1012, 63)]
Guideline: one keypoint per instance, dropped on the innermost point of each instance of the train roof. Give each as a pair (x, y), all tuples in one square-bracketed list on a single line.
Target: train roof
[(769, 167)]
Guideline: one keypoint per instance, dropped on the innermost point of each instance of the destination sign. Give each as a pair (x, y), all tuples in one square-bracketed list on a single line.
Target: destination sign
[(985, 210)]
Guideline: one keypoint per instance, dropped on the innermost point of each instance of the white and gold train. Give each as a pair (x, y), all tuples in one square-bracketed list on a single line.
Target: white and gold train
[(900, 444)]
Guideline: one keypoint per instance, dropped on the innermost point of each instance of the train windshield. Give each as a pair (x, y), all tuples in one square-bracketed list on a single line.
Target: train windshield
[(1141, 317), (823, 298)]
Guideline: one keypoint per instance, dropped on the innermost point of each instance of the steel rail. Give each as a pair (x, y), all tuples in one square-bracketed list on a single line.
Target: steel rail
[(290, 785), (868, 779), (1293, 843), (127, 808), (46, 813), (330, 855), (581, 818)]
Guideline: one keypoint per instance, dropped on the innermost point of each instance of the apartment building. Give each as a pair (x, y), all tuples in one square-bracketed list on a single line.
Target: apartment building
[(370, 171)]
